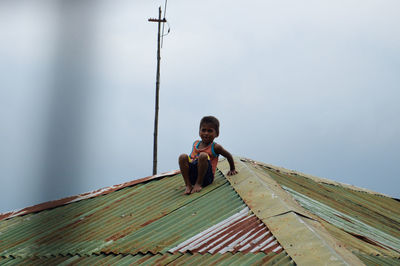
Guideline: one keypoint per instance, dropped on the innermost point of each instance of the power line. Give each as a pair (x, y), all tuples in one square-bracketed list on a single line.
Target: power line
[(162, 34)]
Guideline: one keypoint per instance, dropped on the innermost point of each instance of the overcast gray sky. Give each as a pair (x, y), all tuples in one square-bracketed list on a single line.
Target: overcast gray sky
[(307, 85)]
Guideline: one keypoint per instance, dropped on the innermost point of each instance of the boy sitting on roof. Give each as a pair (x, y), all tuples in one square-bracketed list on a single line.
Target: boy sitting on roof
[(198, 169)]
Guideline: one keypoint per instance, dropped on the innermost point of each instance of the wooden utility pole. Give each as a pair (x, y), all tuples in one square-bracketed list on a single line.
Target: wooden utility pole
[(159, 21)]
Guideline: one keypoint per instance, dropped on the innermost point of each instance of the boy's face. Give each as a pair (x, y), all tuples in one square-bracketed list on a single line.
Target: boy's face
[(207, 133)]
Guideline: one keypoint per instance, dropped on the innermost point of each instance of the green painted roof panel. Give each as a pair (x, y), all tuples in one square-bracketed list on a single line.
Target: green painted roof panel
[(377, 260), (120, 226), (150, 214), (375, 210), (156, 259), (183, 223), (365, 222)]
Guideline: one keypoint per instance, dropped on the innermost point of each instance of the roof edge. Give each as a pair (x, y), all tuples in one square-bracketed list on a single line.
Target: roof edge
[(87, 195), (316, 178)]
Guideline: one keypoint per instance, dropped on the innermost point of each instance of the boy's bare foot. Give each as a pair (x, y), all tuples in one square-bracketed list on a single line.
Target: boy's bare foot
[(188, 190), (196, 188)]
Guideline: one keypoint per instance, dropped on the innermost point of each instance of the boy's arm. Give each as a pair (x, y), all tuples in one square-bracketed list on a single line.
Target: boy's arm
[(220, 150)]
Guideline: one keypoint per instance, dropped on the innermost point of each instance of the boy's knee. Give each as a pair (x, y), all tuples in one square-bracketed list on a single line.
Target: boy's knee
[(183, 158), (203, 156)]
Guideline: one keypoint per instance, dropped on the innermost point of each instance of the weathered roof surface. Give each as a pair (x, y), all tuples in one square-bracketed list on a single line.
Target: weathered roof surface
[(364, 222), (263, 215), (240, 232), (296, 229), (157, 259), (151, 217), (92, 194)]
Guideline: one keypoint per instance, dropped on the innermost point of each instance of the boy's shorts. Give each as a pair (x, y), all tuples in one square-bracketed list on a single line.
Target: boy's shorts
[(193, 168)]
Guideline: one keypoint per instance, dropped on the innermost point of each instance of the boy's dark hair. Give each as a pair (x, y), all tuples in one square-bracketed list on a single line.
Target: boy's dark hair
[(210, 120)]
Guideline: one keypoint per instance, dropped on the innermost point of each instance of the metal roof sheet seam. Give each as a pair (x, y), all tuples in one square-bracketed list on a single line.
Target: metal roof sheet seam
[(346, 222), (363, 222)]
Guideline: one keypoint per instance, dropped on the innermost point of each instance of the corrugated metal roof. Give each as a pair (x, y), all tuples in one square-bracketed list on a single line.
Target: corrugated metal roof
[(296, 229), (92, 194), (285, 218), (347, 222), (235, 259), (150, 217), (157, 259), (174, 227), (240, 232), (377, 260), (361, 220)]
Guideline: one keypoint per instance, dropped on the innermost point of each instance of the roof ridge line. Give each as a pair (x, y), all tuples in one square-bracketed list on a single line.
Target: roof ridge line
[(87, 195), (295, 212), (280, 212)]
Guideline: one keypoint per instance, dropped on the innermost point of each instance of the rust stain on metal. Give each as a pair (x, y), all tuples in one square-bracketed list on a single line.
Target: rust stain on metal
[(150, 221), (368, 240), (342, 217), (38, 207), (131, 228), (121, 234), (60, 232)]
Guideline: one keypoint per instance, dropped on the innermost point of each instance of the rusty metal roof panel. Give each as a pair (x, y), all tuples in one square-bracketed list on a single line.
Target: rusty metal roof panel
[(157, 259), (88, 225), (375, 210), (234, 259), (296, 229), (88, 195), (33, 260), (185, 223), (241, 232), (149, 217), (377, 260), (346, 222), (363, 220), (171, 229)]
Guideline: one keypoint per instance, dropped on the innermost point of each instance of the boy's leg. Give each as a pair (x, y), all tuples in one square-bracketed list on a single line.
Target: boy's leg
[(201, 172), (184, 166)]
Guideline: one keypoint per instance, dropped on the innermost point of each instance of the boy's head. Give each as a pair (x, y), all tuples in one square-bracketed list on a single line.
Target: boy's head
[(212, 121)]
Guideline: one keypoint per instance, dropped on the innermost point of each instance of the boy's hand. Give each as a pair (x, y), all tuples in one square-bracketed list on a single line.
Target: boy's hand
[(232, 172)]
